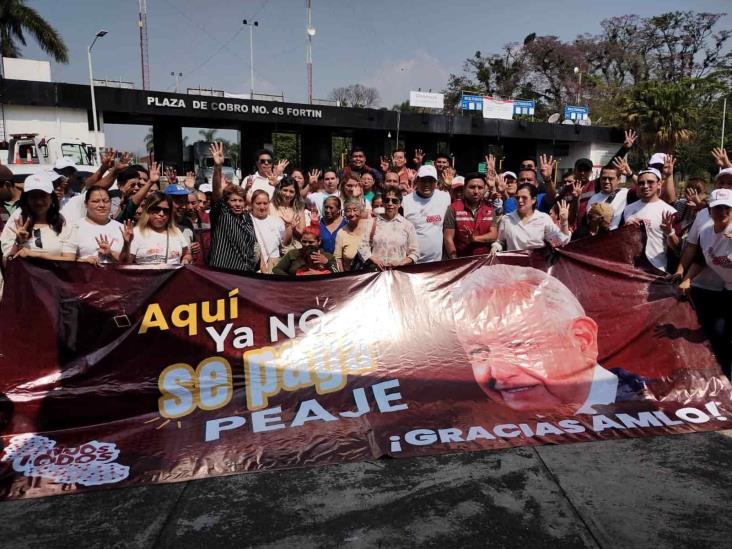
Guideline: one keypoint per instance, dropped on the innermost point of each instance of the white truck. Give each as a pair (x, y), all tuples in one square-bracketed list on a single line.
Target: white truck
[(29, 153)]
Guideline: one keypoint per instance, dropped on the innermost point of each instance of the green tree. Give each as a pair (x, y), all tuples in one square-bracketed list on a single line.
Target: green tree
[(208, 135), (16, 19)]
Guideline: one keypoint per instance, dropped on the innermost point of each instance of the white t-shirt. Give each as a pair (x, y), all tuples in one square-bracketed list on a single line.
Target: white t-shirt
[(270, 231), (150, 247), (42, 237), (717, 250), (259, 182), (618, 204), (707, 279), (651, 213), (427, 216), (83, 241), (75, 209), (539, 230)]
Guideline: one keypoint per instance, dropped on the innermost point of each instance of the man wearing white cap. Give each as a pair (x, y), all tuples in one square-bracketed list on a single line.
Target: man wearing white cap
[(425, 209), (65, 179), (652, 212)]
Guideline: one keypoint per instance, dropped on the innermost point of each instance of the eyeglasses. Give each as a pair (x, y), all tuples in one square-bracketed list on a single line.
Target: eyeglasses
[(158, 210), (391, 201), (265, 160), (37, 235)]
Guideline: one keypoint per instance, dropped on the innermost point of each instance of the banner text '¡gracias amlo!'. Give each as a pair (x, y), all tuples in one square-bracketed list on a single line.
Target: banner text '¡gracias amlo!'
[(225, 106)]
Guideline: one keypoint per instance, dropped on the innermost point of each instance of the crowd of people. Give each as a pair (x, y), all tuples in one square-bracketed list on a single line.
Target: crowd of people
[(285, 221)]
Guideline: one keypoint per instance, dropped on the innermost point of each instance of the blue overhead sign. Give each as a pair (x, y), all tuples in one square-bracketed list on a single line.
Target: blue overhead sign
[(576, 113), (523, 106), (471, 103)]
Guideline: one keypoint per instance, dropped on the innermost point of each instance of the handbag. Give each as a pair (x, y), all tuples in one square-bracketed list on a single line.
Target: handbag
[(358, 263)]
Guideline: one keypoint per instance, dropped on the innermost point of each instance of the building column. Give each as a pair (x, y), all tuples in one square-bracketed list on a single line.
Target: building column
[(168, 144), (253, 137)]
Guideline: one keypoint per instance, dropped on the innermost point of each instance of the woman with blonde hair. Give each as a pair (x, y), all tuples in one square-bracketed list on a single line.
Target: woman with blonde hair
[(156, 239)]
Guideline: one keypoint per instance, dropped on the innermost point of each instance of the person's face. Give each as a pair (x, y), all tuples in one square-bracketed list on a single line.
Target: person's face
[(310, 243), (236, 204), (457, 193), (721, 215), (511, 186), (299, 177), (426, 186), (528, 165), (260, 206), (391, 178), (352, 214), (192, 205), (6, 191), (474, 191), (159, 216), (568, 180), (180, 205), (98, 206), (377, 202), (358, 159), (391, 205), (39, 202), (440, 164), (367, 182), (399, 159), (582, 173), (288, 193), (526, 176), (154, 188), (608, 181), (201, 201), (529, 374), (59, 187), (264, 164), (330, 210), (647, 187), (525, 201), (330, 182), (352, 188)]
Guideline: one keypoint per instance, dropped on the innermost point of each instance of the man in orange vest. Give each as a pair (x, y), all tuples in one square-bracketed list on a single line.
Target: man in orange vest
[(470, 225)]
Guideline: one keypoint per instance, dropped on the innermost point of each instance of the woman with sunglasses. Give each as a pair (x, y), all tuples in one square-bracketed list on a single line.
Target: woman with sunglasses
[(37, 228), (526, 228), (392, 241), (156, 239)]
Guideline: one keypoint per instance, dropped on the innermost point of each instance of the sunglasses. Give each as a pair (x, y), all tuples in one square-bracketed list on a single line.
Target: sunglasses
[(391, 201), (158, 210), (265, 160), (37, 236)]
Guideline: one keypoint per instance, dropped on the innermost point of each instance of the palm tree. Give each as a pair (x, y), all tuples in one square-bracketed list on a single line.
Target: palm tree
[(208, 135), (15, 18), (149, 140)]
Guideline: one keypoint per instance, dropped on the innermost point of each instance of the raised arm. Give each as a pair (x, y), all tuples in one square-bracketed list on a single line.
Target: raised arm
[(140, 195), (547, 164), (217, 152)]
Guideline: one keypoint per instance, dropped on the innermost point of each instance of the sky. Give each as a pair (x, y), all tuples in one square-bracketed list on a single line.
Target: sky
[(395, 46)]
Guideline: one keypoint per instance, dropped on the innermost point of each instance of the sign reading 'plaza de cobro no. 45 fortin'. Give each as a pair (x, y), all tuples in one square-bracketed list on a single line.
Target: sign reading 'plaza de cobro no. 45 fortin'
[(220, 105)]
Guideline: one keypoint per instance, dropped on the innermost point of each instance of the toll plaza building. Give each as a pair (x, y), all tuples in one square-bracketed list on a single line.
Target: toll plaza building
[(319, 135)]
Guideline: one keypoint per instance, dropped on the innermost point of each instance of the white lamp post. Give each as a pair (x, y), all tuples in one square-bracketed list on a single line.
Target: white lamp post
[(99, 34), (579, 85), (251, 25)]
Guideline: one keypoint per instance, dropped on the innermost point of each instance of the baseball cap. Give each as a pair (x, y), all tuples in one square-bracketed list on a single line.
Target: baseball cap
[(720, 197), (63, 163), (427, 171), (657, 158), (40, 181), (585, 163), (510, 174), (654, 171), (725, 171), (5, 174), (457, 181), (206, 188), (176, 189)]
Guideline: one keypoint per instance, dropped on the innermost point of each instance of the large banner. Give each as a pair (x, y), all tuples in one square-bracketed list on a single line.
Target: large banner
[(126, 376)]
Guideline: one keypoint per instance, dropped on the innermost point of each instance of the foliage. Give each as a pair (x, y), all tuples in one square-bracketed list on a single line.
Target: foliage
[(16, 19), (356, 95)]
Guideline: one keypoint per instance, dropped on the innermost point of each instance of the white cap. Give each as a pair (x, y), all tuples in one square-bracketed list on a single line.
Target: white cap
[(427, 171), (40, 181), (206, 188), (658, 158), (720, 197), (654, 171), (725, 171), (63, 163), (509, 174), (457, 181)]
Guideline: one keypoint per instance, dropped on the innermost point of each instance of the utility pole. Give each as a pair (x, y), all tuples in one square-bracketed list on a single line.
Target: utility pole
[(251, 26), (144, 57), (177, 76), (311, 32)]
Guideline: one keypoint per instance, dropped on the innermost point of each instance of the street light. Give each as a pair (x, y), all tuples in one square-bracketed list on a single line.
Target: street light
[(99, 34), (177, 76), (251, 26), (579, 86)]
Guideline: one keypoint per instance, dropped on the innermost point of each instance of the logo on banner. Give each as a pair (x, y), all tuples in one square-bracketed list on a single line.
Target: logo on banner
[(89, 464)]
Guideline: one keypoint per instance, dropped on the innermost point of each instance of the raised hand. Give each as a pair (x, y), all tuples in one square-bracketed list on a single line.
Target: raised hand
[(217, 152), (279, 169), (108, 159), (563, 211), (190, 180), (667, 223), (384, 164), (720, 158), (313, 178), (127, 231), (693, 200), (104, 246), (154, 172), (448, 174), (546, 167), (171, 176), (630, 138), (623, 167), (123, 162), (668, 166), (418, 157), (22, 231), (500, 183), (576, 189)]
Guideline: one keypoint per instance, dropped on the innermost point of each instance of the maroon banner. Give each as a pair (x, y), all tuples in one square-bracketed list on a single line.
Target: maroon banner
[(120, 376)]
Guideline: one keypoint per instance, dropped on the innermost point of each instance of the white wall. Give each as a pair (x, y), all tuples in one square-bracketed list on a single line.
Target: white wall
[(26, 69), (50, 122)]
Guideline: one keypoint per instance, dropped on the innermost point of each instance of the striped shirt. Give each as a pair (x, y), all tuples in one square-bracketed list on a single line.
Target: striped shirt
[(232, 240)]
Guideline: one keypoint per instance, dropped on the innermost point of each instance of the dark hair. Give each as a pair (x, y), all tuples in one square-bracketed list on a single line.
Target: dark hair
[(297, 203), (357, 149), (474, 175), (392, 189), (443, 155), (527, 160), (260, 152), (53, 216), (130, 172), (399, 150), (332, 197), (232, 189), (610, 167), (518, 175), (377, 196), (92, 189), (141, 168), (328, 171), (532, 191)]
